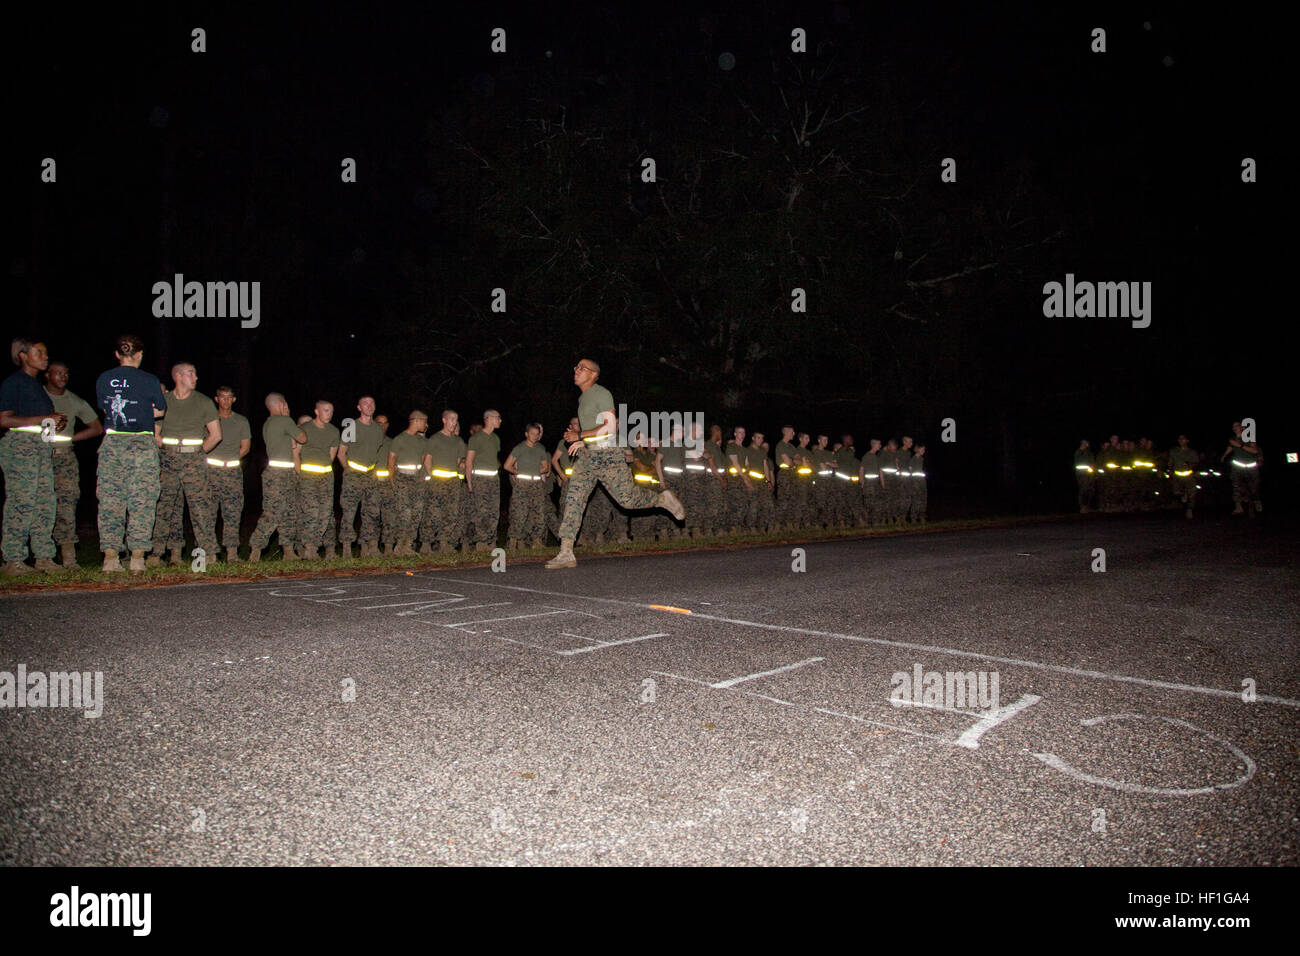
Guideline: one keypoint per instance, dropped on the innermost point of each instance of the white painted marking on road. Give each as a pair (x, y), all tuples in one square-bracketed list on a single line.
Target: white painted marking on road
[(723, 684), (601, 645), (433, 608), (971, 738), (1056, 763), (513, 617), (908, 645)]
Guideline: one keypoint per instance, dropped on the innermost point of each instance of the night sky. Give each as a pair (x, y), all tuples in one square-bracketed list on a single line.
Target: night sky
[(521, 170)]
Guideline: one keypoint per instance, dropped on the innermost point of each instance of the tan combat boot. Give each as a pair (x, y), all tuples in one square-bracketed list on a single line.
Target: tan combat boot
[(68, 554), (111, 562), (232, 556), (565, 558), (46, 564), (178, 557), (137, 562), (289, 553), (254, 555)]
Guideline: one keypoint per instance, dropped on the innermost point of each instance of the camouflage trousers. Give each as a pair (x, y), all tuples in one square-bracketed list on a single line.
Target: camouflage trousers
[(388, 515), (742, 504), (184, 481), (67, 491), (528, 503), (873, 501), (802, 492), (644, 527), (920, 498), (127, 485), (1184, 489), (698, 502), (483, 510), (786, 512), (605, 467), (764, 505), (891, 497), (600, 521), (444, 512), (668, 526), (30, 504), (841, 499), (412, 499), (360, 491), (315, 509), (1087, 488), (228, 493), (823, 506), (1245, 484), (279, 508), (905, 490)]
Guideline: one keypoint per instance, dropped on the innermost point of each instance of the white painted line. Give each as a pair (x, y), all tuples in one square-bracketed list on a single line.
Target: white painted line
[(971, 738), (432, 608), (513, 617), (603, 644), (908, 645), (723, 684), (1056, 763)]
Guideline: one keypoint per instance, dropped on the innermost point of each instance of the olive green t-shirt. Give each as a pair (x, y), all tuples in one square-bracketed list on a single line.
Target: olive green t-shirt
[(738, 451), (566, 461), (278, 434), (714, 450), (74, 407), (188, 417), (446, 451), (319, 443), (487, 451), (233, 430), (785, 448), (823, 459), (1179, 459), (409, 449), (382, 456), (754, 459), (529, 460), (674, 456), (365, 449), (593, 402)]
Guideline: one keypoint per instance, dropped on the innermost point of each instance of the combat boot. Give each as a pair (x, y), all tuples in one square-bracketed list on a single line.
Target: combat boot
[(16, 568), (47, 564), (232, 556), (137, 562), (154, 561), (565, 558), (178, 557), (309, 553), (289, 553), (331, 554), (69, 555), (113, 563)]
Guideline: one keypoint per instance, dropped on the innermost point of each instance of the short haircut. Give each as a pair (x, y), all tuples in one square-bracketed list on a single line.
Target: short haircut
[(416, 413), (180, 365), (273, 401), (224, 388), (63, 365), (18, 347), (449, 411)]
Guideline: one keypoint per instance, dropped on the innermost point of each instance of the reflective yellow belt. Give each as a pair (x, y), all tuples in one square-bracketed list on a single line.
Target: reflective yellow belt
[(443, 473), (218, 463), (732, 471), (183, 441), (890, 471), (280, 464), (1242, 465), (568, 471), (646, 479), (757, 474), (696, 468), (804, 470), (408, 467), (484, 473), (115, 431), (783, 465), (381, 472), (27, 428), (1087, 468), (361, 468), (829, 471), (673, 471), (317, 469), (527, 477), (1183, 474), (918, 474), (874, 475), (1111, 464), (60, 438)]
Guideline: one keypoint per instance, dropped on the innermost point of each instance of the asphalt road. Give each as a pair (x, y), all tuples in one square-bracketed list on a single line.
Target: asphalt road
[(473, 717)]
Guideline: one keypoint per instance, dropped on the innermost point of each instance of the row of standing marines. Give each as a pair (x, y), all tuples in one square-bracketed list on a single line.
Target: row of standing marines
[(165, 449)]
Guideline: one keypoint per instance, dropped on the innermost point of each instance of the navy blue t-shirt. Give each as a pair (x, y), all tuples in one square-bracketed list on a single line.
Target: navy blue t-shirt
[(128, 397), (21, 394)]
